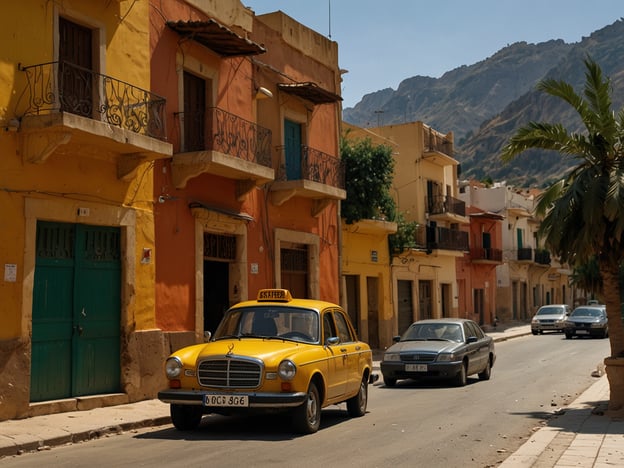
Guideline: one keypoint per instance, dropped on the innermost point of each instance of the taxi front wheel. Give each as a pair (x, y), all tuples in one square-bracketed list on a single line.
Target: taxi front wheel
[(185, 417), (307, 416)]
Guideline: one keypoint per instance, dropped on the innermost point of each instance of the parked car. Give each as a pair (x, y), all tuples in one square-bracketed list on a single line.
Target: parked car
[(272, 354), (550, 317), (587, 320), (448, 348)]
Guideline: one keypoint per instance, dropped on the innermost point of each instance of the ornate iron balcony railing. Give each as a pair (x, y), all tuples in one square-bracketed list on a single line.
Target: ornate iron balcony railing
[(447, 239), (218, 130), (434, 142), (420, 236), (440, 204), (64, 87), (315, 166), (480, 253)]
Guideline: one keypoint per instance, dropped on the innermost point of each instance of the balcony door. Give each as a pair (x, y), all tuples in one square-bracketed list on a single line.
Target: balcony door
[(194, 113), (292, 149), (75, 68)]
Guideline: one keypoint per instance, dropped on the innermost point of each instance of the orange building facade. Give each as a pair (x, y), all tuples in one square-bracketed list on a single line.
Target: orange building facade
[(476, 270), (250, 198)]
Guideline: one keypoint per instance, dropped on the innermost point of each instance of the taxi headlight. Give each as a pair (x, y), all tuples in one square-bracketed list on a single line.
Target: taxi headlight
[(287, 370), (173, 368), (392, 357), (447, 357)]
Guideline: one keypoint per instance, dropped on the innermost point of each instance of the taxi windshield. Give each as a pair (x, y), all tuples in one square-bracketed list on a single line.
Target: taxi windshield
[(285, 322)]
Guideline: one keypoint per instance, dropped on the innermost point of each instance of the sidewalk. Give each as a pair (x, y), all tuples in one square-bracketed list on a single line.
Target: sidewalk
[(581, 437)]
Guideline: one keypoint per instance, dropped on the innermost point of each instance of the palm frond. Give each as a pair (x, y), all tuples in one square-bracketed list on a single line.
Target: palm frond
[(598, 98), (537, 135), (564, 91)]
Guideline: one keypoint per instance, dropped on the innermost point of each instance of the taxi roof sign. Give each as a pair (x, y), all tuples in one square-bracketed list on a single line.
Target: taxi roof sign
[(279, 295)]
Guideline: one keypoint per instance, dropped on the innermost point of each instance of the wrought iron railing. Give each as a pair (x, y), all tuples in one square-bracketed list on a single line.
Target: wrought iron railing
[(434, 142), (316, 166), (447, 239), (542, 257), (525, 253), (440, 204), (64, 87), (420, 236), (218, 130), (481, 253)]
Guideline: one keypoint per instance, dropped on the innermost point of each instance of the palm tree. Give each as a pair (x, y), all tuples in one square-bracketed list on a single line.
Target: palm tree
[(583, 214), (587, 277)]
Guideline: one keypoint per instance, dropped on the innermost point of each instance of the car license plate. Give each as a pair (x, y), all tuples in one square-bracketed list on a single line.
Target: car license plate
[(415, 367), (582, 332), (225, 400)]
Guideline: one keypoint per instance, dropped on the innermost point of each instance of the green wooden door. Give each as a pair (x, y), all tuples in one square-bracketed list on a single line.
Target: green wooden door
[(76, 311), (292, 149), (53, 297), (97, 313)]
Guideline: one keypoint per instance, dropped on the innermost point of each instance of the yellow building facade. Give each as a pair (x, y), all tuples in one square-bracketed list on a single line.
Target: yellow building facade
[(366, 279), (423, 279), (80, 132)]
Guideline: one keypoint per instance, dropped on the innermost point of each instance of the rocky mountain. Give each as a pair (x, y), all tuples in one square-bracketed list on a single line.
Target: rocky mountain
[(483, 104)]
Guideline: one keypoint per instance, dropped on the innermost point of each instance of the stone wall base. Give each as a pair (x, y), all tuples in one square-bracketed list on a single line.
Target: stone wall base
[(142, 375)]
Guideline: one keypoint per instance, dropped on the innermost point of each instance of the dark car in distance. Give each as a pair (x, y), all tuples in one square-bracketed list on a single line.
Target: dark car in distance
[(587, 320), (447, 348)]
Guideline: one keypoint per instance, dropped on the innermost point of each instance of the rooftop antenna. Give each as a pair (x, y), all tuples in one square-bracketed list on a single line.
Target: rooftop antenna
[(329, 3)]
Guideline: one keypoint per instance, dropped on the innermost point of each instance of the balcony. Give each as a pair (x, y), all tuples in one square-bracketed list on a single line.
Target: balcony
[(486, 255), (73, 110), (220, 143), (446, 208), (313, 174), (525, 254), (542, 257), (437, 148), (431, 238), (447, 239)]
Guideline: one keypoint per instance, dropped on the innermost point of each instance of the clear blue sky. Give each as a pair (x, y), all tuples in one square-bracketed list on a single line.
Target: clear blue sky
[(383, 42)]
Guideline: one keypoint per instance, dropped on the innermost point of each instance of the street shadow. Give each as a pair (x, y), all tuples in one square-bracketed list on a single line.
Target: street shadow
[(587, 419), (267, 427), (426, 383), (502, 327)]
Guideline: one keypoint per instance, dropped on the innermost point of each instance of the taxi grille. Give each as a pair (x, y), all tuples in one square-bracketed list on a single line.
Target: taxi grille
[(229, 373)]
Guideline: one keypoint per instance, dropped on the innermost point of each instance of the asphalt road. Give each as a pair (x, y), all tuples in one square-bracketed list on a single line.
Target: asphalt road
[(411, 425)]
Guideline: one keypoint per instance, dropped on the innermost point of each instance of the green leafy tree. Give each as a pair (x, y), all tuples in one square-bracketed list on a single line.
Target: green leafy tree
[(369, 170), (583, 214), (404, 237)]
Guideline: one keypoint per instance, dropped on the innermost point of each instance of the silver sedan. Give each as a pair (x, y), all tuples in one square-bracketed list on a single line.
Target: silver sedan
[(448, 348)]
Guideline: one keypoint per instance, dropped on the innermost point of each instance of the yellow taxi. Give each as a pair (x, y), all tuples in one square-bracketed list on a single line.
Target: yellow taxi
[(274, 353)]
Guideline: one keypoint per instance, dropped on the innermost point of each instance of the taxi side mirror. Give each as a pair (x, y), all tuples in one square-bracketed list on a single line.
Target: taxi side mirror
[(332, 341)]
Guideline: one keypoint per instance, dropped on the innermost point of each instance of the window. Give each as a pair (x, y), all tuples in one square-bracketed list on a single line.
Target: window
[(344, 332)]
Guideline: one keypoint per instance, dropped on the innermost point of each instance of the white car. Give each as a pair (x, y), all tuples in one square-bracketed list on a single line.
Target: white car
[(550, 317)]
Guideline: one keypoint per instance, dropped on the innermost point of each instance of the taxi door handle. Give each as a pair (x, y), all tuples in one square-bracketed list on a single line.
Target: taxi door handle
[(343, 350)]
